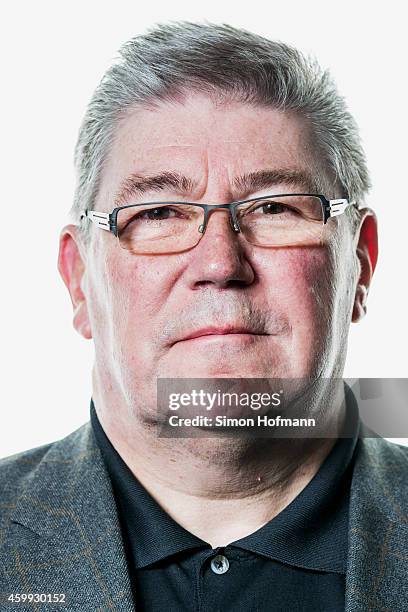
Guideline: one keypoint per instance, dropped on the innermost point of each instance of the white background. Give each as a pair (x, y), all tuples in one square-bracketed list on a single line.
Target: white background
[(53, 56)]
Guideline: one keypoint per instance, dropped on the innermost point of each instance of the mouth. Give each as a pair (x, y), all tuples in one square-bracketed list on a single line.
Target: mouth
[(222, 333)]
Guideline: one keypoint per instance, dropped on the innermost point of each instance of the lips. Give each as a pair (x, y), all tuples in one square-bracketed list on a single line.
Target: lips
[(220, 331)]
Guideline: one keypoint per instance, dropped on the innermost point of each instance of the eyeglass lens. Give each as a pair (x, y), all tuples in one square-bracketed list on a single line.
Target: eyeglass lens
[(174, 227)]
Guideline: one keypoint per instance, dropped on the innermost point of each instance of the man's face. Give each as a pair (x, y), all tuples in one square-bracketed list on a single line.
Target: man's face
[(290, 307)]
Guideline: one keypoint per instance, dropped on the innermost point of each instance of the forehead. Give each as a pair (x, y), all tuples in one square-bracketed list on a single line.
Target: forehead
[(207, 141)]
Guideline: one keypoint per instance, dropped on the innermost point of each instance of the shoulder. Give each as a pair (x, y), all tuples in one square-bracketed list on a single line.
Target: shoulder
[(378, 452), (22, 470), (16, 467), (380, 474)]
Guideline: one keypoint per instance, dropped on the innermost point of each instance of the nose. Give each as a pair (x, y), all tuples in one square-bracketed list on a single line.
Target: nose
[(220, 257)]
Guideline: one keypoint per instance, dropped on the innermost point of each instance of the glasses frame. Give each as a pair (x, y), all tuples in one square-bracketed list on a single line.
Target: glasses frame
[(108, 221)]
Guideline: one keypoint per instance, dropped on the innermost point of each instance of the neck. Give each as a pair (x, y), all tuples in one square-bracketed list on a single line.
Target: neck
[(237, 484)]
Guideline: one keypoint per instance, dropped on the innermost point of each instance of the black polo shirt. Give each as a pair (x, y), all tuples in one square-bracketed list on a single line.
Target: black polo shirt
[(296, 562)]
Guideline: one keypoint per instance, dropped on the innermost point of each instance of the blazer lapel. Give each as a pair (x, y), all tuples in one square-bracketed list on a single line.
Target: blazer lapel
[(64, 536), (65, 531), (378, 531)]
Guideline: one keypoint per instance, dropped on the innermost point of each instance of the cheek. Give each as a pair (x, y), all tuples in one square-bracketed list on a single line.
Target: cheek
[(120, 284), (302, 280), (300, 284), (126, 294)]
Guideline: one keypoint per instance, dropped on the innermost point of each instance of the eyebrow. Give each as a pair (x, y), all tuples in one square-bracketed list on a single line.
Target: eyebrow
[(268, 178), (138, 184)]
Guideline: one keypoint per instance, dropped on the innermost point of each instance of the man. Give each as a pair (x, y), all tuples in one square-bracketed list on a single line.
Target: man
[(121, 516)]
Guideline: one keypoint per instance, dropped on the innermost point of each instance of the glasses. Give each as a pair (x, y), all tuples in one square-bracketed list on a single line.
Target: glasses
[(153, 228)]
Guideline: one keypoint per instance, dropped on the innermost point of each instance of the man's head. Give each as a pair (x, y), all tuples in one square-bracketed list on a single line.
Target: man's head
[(214, 104)]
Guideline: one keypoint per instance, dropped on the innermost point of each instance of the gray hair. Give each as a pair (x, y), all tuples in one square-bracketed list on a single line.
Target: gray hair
[(174, 59)]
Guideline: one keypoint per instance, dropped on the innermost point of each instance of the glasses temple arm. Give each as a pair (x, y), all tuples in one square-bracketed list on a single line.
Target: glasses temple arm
[(100, 219), (337, 207)]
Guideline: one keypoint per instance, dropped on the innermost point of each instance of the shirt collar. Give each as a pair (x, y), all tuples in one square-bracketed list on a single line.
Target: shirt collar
[(150, 532), (311, 532)]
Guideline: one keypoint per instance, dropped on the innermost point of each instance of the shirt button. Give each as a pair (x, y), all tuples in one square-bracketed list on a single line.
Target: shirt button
[(219, 564)]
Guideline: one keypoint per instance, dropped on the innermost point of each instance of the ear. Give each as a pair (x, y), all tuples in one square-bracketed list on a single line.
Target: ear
[(71, 266), (367, 253)]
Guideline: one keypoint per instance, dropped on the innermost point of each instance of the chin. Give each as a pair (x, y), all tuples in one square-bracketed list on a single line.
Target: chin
[(228, 370)]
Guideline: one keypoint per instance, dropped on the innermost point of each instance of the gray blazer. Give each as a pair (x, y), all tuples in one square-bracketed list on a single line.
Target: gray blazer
[(59, 529)]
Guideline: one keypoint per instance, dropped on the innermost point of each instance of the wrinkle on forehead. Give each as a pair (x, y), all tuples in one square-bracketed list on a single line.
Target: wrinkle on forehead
[(185, 145), (211, 145)]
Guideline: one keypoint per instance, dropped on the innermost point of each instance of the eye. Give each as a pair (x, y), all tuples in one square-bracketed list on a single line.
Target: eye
[(151, 215), (273, 208), (156, 214), (270, 208)]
